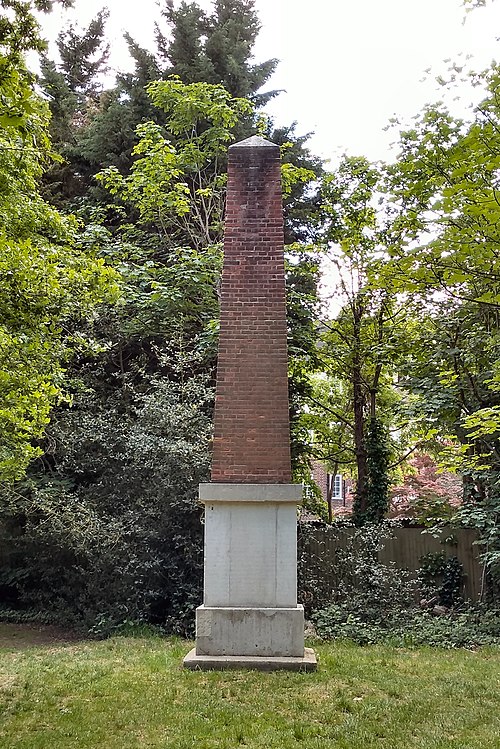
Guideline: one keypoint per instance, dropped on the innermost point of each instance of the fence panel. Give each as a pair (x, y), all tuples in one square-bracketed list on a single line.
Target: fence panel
[(405, 548)]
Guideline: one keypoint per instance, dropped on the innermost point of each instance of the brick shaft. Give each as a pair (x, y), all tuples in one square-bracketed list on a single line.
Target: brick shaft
[(252, 439)]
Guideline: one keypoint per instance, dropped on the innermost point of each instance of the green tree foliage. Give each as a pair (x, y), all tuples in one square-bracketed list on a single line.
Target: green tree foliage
[(101, 132), (116, 486), (73, 91), (89, 506), (84, 56), (108, 135), (45, 280), (109, 532), (444, 191), (19, 33), (361, 346), (215, 47), (444, 258), (211, 48), (19, 29), (178, 186)]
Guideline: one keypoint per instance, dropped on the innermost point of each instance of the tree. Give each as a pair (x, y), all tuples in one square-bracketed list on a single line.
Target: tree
[(20, 30), (445, 187), (178, 186), (426, 493), (373, 508), (73, 91), (445, 260), (361, 346), (97, 132), (444, 196), (79, 513), (109, 532), (83, 57), (45, 279), (116, 484), (215, 47)]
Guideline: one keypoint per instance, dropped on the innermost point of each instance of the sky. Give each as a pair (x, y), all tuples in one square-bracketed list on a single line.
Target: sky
[(346, 66)]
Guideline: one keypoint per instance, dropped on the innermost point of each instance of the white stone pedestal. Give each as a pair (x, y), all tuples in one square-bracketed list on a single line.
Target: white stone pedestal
[(250, 617)]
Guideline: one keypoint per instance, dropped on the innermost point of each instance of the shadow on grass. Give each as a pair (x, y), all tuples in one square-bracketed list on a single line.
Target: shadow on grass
[(17, 637)]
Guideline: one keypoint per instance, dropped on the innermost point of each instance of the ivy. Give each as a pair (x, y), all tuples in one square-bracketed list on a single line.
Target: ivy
[(442, 576), (376, 504)]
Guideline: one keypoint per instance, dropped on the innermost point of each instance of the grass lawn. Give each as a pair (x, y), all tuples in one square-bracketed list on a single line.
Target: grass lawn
[(131, 693)]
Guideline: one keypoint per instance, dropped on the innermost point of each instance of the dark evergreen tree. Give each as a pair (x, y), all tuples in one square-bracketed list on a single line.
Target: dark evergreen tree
[(182, 50), (215, 47), (233, 30), (84, 56), (73, 90), (72, 86), (302, 205), (111, 135), (63, 102)]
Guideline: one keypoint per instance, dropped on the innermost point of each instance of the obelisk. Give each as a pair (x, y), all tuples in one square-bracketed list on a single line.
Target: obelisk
[(250, 617)]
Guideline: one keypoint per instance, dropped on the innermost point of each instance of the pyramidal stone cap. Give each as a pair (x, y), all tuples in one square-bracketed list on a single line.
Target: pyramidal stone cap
[(254, 141)]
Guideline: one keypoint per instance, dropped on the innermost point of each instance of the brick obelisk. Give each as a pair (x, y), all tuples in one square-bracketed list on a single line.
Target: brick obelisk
[(250, 617)]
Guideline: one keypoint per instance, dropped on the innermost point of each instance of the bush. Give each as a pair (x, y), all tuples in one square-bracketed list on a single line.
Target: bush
[(349, 571), (441, 577), (349, 594), (112, 532), (467, 629)]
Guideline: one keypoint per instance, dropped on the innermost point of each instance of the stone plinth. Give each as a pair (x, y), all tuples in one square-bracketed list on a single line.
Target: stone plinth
[(250, 544), (250, 606), (250, 631), (195, 662)]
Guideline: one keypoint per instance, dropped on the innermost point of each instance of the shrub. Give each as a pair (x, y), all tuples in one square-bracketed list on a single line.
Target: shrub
[(349, 594), (470, 628), (441, 578), (346, 569), (112, 532)]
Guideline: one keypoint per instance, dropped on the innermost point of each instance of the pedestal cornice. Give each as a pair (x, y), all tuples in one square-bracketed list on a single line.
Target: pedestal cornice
[(220, 492)]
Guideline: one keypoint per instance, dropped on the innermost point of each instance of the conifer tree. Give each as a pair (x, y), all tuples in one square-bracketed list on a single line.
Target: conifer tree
[(84, 56), (73, 90), (215, 47), (111, 135), (72, 86)]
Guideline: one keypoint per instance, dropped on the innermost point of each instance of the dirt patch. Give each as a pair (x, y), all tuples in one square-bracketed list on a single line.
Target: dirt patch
[(7, 683), (22, 636)]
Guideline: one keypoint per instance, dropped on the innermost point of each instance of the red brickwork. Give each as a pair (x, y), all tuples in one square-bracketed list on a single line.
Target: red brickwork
[(251, 440), (320, 476)]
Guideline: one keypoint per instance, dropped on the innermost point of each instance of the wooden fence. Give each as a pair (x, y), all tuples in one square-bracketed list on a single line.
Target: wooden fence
[(404, 547)]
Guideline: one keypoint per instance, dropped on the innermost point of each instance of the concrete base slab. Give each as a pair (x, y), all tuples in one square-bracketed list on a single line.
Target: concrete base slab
[(248, 631), (195, 662)]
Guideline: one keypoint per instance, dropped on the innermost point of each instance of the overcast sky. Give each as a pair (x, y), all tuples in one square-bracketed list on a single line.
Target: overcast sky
[(346, 67)]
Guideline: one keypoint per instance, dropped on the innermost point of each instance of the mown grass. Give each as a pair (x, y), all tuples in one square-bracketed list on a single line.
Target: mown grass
[(132, 693)]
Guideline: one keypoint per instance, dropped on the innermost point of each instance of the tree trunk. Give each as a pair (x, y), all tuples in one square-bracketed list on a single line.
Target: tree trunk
[(330, 478), (359, 414), (359, 440)]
